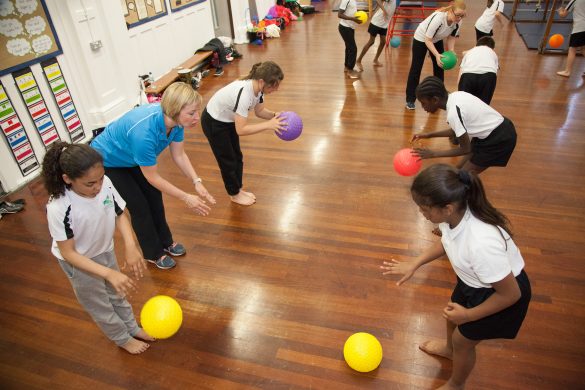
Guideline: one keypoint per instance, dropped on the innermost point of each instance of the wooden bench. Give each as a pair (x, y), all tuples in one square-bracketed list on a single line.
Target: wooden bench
[(167, 79)]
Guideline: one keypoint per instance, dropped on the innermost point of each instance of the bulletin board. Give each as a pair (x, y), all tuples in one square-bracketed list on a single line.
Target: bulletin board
[(27, 35), (177, 5), (138, 12)]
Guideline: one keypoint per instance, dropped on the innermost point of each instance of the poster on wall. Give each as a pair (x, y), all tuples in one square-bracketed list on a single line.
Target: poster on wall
[(138, 12), (177, 5), (35, 103), (16, 136), (27, 35), (63, 99)]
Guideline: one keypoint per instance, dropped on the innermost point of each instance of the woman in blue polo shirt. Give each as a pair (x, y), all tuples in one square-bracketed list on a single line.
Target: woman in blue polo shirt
[(130, 147)]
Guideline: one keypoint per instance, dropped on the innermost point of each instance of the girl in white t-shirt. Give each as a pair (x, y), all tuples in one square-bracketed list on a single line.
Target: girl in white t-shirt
[(347, 24), (478, 71), (225, 119), (485, 23), (83, 211), (378, 26), (492, 294)]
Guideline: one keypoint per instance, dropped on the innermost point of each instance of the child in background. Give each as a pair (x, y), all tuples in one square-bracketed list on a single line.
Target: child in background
[(378, 26), (83, 210), (347, 24), (478, 70), (577, 39), (492, 294), (485, 23)]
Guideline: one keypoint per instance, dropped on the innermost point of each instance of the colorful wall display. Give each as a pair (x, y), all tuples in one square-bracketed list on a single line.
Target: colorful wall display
[(138, 12), (27, 35), (63, 99), (16, 136)]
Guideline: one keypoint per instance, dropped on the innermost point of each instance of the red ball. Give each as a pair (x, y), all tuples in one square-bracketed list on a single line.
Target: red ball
[(556, 41), (405, 163)]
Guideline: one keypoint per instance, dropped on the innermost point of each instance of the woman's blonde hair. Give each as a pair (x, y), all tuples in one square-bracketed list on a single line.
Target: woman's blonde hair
[(455, 4), (176, 96)]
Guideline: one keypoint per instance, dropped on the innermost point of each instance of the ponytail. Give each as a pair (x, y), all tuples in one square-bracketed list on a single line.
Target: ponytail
[(73, 160), (490, 3), (441, 184), (268, 71)]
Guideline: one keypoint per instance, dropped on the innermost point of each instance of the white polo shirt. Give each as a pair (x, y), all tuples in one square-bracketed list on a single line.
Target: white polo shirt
[(578, 8), (379, 19), (469, 114), (485, 23), (478, 253), (436, 28), (89, 221), (480, 60), (235, 98), (349, 8)]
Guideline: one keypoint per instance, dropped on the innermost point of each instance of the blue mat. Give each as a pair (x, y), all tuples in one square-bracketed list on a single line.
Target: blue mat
[(531, 34), (525, 13)]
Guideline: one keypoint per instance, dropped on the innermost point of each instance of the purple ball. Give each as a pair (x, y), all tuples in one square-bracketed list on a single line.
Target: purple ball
[(294, 127)]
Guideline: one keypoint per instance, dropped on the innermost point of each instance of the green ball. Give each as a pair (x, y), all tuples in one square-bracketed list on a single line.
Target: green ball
[(449, 60)]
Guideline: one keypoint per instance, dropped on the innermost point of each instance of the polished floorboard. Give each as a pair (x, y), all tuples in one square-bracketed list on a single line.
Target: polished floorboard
[(271, 292)]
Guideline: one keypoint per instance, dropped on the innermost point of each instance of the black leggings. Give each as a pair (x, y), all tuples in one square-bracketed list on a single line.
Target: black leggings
[(147, 210), (225, 144), (419, 51), (348, 35)]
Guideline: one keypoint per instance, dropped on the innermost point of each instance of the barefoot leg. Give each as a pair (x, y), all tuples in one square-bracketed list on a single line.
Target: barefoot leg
[(251, 195), (142, 335), (134, 346), (242, 199)]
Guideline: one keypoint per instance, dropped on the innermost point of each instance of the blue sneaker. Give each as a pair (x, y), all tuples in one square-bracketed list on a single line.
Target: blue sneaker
[(165, 262), (410, 105), (176, 249)]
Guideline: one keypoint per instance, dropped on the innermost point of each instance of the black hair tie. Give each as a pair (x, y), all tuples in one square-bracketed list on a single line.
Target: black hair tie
[(465, 177)]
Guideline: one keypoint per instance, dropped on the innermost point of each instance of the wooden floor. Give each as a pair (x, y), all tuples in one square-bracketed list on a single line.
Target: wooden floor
[(271, 292)]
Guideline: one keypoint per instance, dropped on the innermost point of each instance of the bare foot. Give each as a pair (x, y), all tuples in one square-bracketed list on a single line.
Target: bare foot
[(242, 199), (353, 74), (359, 66), (437, 232), (564, 73), (251, 195), (135, 346), (378, 63), (142, 335), (438, 348)]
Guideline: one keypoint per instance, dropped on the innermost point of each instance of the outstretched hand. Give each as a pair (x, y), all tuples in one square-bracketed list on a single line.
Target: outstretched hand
[(123, 285), (196, 204), (418, 137), (277, 124), (395, 267), (423, 153), (135, 261), (202, 191)]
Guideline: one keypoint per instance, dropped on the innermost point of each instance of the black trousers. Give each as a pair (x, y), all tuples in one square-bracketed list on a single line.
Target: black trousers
[(225, 144), (146, 208), (348, 35), (419, 51), (479, 34), (482, 85)]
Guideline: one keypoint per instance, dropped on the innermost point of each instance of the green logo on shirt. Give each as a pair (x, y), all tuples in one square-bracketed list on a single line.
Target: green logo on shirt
[(108, 202)]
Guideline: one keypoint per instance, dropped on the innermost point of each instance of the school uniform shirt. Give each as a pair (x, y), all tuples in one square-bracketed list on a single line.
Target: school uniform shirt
[(89, 221), (136, 138), (235, 98), (480, 60), (469, 114), (349, 8), (485, 23), (436, 28), (578, 8), (478, 253), (379, 19)]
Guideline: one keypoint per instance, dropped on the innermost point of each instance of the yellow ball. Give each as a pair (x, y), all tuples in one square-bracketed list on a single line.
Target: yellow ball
[(362, 352), (161, 316), (362, 15)]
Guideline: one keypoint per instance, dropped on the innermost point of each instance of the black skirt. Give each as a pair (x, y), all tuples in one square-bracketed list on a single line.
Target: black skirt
[(577, 39), (504, 324), (375, 30), (495, 150)]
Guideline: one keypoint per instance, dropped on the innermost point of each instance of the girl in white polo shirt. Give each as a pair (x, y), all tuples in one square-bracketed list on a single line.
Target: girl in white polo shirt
[(429, 35), (485, 137), (491, 297), (225, 119), (478, 72), (378, 26), (83, 211), (485, 23), (347, 25)]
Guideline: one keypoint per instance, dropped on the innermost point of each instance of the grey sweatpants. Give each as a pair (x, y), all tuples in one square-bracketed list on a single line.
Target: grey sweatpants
[(111, 313)]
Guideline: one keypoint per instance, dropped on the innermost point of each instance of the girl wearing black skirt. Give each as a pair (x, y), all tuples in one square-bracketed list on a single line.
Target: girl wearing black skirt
[(491, 297), (485, 137)]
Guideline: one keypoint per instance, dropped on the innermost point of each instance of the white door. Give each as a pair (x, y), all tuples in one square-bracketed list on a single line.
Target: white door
[(222, 18)]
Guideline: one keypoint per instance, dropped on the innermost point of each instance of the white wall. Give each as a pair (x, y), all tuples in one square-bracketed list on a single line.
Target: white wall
[(262, 6), (104, 83)]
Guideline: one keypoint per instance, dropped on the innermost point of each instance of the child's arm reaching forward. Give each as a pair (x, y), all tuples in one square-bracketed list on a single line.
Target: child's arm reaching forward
[(121, 283), (395, 267), (134, 258)]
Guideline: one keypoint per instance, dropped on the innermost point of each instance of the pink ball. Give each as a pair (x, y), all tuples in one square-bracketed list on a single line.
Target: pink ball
[(405, 163)]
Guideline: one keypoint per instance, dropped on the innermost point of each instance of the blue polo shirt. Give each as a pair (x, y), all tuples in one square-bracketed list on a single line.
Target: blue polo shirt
[(136, 138)]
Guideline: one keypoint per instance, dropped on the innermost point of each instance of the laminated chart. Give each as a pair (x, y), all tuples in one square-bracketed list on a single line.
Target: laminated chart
[(27, 85), (16, 136), (63, 99)]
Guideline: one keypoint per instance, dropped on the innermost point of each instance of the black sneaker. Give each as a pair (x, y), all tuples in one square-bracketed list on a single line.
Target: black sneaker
[(410, 105), (10, 208), (218, 72), (165, 262), (176, 250)]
